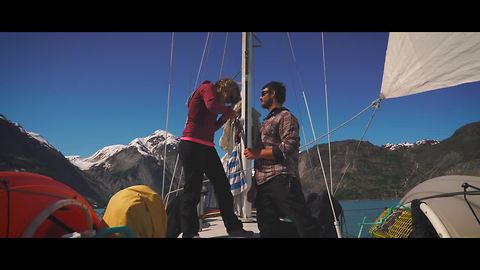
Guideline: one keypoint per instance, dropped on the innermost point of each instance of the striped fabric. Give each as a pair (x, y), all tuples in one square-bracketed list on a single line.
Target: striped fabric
[(234, 172)]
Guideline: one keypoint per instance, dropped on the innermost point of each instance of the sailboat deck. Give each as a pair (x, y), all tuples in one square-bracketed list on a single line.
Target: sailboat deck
[(213, 226)]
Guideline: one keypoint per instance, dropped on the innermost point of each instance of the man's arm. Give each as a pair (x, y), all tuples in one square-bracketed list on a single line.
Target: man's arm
[(289, 134), (264, 153)]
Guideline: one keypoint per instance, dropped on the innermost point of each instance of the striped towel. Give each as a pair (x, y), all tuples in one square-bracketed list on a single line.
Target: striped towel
[(234, 172)]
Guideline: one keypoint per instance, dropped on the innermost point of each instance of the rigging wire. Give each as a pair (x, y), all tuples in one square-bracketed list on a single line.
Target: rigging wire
[(179, 181), (326, 113), (294, 59), (296, 96), (308, 154), (168, 110), (202, 59), (341, 178), (171, 182), (358, 145), (374, 103), (367, 127), (209, 46), (323, 170), (336, 223), (314, 136), (223, 56)]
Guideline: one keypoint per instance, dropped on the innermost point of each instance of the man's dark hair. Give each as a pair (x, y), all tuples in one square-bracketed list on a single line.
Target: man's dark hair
[(279, 89)]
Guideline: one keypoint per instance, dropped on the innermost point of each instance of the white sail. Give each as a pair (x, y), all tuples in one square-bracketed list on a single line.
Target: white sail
[(420, 62)]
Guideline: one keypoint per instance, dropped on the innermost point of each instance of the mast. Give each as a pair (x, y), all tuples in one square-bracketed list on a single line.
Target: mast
[(246, 115)]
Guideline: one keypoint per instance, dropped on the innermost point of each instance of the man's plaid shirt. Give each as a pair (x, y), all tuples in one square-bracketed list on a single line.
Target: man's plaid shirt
[(279, 131)]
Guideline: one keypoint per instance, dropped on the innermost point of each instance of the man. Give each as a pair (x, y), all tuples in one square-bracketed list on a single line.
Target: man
[(279, 197)]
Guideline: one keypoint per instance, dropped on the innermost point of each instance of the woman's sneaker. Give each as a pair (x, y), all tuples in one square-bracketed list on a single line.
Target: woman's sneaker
[(241, 233)]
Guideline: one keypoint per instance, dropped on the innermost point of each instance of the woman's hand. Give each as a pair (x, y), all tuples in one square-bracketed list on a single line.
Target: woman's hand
[(231, 114)]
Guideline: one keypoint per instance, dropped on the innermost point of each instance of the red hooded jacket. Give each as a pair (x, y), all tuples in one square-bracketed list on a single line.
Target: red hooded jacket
[(204, 106)]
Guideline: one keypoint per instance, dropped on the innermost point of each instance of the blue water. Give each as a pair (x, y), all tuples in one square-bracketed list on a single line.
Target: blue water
[(354, 212), (99, 212)]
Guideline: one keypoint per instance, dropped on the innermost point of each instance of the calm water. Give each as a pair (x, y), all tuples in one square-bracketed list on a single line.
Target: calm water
[(354, 212), (99, 211)]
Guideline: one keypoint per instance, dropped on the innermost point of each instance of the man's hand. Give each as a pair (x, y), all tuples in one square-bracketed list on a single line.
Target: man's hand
[(251, 153)]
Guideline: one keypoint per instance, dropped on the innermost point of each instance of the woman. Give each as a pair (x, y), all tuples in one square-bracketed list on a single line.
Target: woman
[(199, 157)]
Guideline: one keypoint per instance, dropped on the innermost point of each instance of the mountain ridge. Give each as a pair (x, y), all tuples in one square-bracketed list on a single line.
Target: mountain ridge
[(374, 172), (22, 152), (371, 172)]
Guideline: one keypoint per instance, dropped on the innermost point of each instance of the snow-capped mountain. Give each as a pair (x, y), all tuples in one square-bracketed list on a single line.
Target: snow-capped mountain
[(39, 138), (395, 146), (31, 134), (152, 145), (139, 162), (22, 150), (96, 159)]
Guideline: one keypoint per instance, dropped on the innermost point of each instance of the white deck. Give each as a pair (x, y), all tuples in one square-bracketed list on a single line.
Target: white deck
[(214, 228)]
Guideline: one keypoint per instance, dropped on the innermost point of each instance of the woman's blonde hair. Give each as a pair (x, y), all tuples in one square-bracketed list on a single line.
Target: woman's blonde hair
[(228, 85)]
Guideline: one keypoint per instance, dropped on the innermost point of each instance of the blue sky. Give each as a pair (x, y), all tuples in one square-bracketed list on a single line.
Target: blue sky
[(84, 91)]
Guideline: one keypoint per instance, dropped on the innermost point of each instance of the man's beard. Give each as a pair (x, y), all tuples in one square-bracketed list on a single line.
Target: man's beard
[(267, 104)]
